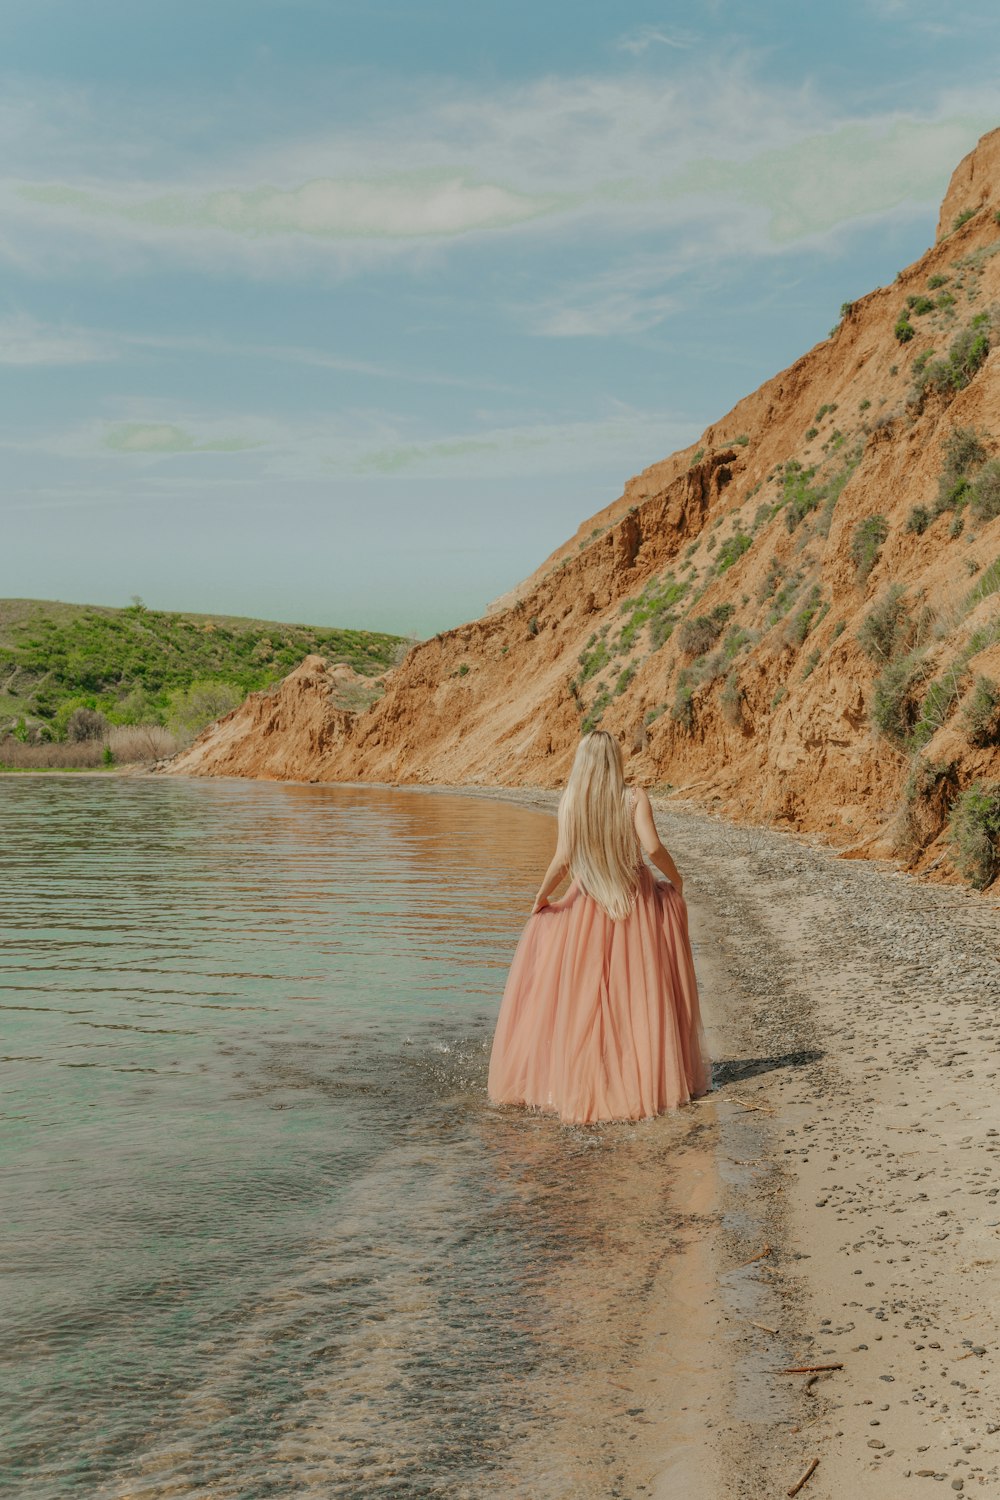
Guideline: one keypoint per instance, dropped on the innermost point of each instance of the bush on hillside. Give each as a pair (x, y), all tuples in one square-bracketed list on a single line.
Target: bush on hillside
[(966, 352), (984, 492), (887, 626), (194, 707), (696, 636), (974, 833), (894, 706), (927, 798), (86, 724), (982, 713), (866, 544)]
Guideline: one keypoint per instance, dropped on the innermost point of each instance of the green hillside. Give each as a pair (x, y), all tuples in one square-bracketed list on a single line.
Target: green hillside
[(147, 666)]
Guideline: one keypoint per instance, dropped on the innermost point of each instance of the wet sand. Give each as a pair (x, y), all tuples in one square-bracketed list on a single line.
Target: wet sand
[(852, 1142)]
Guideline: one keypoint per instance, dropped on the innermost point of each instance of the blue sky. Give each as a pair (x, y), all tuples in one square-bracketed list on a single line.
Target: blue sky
[(350, 313)]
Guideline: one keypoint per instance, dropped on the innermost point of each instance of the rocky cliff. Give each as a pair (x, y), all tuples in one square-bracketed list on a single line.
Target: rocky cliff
[(798, 617)]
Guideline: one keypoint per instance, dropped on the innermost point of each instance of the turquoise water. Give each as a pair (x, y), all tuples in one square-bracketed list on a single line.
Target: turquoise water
[(263, 1235)]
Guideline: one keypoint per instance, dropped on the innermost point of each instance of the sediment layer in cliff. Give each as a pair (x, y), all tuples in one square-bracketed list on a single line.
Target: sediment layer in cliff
[(794, 618)]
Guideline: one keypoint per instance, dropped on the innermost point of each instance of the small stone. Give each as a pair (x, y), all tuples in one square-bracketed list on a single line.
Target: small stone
[(874, 1443)]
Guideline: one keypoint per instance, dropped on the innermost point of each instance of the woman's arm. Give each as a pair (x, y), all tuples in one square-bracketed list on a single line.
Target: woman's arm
[(554, 876), (645, 827)]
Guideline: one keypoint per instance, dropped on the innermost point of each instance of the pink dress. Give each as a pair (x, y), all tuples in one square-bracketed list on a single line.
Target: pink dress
[(600, 1019)]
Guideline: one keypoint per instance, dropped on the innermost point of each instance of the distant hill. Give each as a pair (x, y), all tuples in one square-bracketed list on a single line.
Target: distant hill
[(139, 665)]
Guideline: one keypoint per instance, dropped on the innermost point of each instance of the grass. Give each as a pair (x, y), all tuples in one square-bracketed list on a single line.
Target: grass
[(135, 665)]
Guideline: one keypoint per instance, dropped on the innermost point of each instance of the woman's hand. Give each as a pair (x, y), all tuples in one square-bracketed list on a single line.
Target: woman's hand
[(539, 904)]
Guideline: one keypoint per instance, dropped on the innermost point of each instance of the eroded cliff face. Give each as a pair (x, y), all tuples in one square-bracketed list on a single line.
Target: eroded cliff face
[(792, 618)]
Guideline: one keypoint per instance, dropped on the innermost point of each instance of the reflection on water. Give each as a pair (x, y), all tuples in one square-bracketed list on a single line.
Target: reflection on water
[(263, 1234)]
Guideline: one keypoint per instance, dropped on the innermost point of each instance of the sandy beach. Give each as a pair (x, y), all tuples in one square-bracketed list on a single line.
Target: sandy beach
[(845, 1172)]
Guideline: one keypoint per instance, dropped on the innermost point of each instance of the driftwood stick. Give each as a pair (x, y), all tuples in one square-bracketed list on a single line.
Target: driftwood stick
[(759, 1256), (809, 1369), (813, 1466), (762, 1326)]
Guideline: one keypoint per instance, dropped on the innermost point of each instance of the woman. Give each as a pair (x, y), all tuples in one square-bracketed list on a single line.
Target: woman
[(600, 1016)]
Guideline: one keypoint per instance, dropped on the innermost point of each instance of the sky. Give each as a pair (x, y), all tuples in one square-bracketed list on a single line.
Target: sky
[(349, 313)]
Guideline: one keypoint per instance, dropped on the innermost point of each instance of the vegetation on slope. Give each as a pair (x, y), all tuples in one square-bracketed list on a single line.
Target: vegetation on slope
[(139, 666)]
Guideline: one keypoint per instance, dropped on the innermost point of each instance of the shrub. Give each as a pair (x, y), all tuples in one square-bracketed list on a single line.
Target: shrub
[(866, 544), (15, 755), (624, 680), (920, 305), (982, 713), (799, 497), (696, 458), (988, 584), (812, 662), (811, 432), (962, 451), (935, 281), (801, 622), (86, 724), (682, 710), (965, 354), (929, 792), (887, 626), (864, 405), (940, 699), (731, 699), (596, 711), (894, 706), (192, 708), (984, 492), (918, 520), (132, 744), (592, 662), (974, 833), (698, 635), (904, 329), (962, 218), (732, 550)]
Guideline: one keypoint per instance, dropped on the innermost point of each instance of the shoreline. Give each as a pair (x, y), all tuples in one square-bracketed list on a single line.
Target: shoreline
[(839, 1206), (852, 1011)]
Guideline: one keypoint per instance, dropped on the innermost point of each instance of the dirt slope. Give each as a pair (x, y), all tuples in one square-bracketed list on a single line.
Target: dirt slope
[(794, 616)]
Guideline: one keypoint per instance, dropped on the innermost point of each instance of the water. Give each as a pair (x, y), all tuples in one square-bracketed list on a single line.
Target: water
[(262, 1234)]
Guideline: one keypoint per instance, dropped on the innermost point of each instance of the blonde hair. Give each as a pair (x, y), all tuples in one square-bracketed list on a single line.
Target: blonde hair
[(596, 835)]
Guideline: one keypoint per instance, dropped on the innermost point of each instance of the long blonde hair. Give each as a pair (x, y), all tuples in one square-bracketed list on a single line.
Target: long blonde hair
[(596, 835)]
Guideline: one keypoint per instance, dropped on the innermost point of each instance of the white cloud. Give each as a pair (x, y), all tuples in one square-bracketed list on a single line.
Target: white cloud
[(26, 341), (624, 438), (752, 166), (639, 41)]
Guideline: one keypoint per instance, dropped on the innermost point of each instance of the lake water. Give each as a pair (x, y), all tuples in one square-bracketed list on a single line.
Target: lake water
[(262, 1233)]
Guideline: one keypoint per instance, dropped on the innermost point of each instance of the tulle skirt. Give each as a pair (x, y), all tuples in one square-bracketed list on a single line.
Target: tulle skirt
[(600, 1019)]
